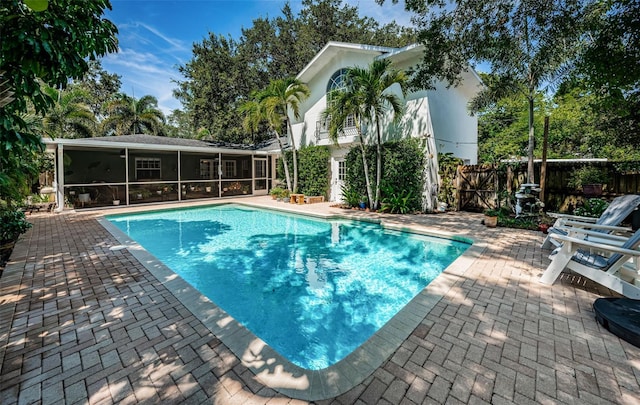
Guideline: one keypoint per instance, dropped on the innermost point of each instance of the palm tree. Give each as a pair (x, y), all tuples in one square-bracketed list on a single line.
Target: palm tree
[(130, 116), (343, 104), (70, 116), (273, 105), (254, 111), (366, 97)]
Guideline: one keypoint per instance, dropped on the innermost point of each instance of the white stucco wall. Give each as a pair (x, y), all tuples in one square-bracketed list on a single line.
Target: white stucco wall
[(455, 130)]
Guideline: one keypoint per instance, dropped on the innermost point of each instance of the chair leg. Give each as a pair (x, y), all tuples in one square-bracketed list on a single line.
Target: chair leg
[(559, 263)]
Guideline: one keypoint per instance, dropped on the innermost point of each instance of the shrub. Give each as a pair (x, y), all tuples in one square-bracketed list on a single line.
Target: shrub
[(402, 166), (588, 175), (397, 202), (313, 170), (593, 207), (350, 196), (12, 224)]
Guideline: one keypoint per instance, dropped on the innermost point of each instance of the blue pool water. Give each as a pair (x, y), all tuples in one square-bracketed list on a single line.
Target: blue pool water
[(313, 290)]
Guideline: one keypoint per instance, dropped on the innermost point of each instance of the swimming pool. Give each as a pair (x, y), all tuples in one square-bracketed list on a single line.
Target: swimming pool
[(314, 290)]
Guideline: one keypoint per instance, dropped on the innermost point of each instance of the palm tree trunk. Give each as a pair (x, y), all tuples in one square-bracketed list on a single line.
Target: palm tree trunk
[(284, 161), (366, 171), (365, 166), (532, 138), (294, 157), (378, 164)]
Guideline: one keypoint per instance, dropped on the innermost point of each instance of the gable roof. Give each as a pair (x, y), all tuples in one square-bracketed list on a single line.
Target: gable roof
[(333, 49)]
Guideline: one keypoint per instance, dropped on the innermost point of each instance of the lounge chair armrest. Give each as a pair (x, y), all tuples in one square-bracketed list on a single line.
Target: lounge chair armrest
[(596, 245), (602, 237), (574, 224), (573, 217)]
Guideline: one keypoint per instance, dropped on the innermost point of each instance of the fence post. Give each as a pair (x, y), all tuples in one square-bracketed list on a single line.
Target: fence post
[(543, 165)]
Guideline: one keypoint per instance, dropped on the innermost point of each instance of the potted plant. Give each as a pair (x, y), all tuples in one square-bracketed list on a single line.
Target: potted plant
[(491, 217), (114, 195), (275, 192), (590, 179)]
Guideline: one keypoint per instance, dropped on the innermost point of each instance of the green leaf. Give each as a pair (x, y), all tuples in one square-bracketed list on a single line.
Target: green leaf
[(37, 5)]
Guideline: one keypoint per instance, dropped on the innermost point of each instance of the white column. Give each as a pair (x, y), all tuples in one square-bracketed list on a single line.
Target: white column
[(58, 180)]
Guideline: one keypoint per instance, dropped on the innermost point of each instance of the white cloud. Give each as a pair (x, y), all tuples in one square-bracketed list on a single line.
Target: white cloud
[(384, 14)]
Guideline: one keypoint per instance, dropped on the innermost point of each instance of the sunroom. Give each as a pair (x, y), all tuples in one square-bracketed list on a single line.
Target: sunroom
[(144, 169)]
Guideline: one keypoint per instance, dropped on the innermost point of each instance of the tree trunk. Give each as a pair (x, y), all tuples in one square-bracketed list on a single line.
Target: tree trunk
[(365, 166), (532, 139), (284, 162), (378, 164), (294, 157)]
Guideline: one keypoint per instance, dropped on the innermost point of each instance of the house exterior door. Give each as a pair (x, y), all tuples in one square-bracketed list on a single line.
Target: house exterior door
[(338, 175), (260, 184)]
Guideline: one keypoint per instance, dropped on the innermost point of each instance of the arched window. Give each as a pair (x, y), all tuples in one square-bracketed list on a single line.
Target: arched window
[(337, 81)]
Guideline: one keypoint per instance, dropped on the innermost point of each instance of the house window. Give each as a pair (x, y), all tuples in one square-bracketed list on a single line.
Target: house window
[(260, 166), (229, 167), (206, 169), (148, 169), (337, 81), (342, 170)]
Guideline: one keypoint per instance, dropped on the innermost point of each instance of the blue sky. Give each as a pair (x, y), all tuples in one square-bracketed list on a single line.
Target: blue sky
[(156, 36)]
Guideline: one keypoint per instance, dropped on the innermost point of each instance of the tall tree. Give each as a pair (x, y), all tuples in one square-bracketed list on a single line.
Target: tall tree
[(101, 87), (527, 43), (611, 69), (273, 105), (224, 71), (130, 116), (255, 113), (366, 97), (51, 46), (70, 116)]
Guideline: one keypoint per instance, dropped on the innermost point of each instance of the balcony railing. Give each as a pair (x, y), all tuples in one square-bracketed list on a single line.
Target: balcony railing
[(349, 128)]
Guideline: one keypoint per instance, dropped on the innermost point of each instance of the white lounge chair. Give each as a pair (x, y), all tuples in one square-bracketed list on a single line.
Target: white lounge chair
[(619, 209), (614, 265)]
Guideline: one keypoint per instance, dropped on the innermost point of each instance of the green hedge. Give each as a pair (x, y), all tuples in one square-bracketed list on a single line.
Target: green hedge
[(313, 170), (402, 166)]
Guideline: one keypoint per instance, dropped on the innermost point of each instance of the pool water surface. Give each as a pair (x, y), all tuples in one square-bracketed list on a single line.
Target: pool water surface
[(314, 290)]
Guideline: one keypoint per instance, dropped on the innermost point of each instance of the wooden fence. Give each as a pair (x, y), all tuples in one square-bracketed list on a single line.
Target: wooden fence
[(479, 187)]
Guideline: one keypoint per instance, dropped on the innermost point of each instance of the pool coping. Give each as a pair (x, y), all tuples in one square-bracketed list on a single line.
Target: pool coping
[(272, 369)]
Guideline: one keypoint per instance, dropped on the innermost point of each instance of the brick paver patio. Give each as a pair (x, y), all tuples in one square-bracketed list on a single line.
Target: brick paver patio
[(83, 321)]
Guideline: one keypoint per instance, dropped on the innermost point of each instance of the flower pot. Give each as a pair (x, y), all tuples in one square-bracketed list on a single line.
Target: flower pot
[(544, 228), (592, 190), (84, 197), (491, 222), (362, 205), (116, 202)]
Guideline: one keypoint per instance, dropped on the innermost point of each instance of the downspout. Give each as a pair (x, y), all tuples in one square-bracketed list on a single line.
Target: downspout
[(58, 180)]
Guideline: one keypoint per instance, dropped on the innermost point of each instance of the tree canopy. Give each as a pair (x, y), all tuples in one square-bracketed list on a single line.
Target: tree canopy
[(224, 71), (47, 45)]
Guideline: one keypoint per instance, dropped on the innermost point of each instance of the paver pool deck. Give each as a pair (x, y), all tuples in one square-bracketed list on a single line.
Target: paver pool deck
[(83, 320)]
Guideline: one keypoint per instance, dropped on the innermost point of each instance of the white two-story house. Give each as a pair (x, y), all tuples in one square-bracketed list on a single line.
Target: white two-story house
[(439, 115)]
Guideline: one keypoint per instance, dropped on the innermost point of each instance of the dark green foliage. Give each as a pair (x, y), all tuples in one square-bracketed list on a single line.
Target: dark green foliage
[(223, 71), (350, 196), (47, 47), (130, 116), (402, 167), (401, 171), (313, 166), (396, 202), (13, 223), (593, 207)]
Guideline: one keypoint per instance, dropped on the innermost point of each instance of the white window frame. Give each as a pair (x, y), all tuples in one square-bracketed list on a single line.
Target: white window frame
[(229, 168), (342, 170), (148, 164), (207, 169)]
